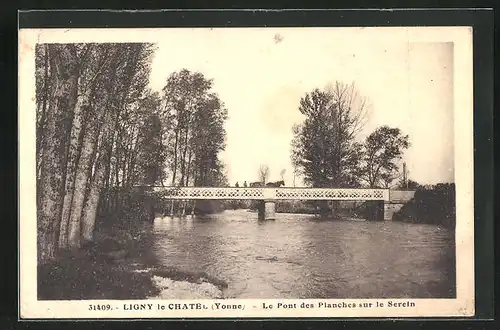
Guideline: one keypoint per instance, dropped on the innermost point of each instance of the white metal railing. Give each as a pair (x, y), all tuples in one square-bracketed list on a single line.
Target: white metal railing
[(272, 193)]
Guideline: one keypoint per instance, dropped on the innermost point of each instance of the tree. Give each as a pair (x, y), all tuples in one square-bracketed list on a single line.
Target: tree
[(91, 62), (263, 173), (64, 73), (382, 151), (197, 116), (324, 149), (99, 128), (412, 185), (83, 90), (387, 178), (208, 140), (43, 85), (295, 152), (149, 148), (403, 182), (282, 174), (126, 81)]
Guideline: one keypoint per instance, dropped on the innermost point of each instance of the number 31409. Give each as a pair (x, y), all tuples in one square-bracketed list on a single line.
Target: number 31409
[(106, 307)]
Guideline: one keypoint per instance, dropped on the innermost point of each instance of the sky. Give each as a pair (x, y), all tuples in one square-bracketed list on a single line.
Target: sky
[(261, 74)]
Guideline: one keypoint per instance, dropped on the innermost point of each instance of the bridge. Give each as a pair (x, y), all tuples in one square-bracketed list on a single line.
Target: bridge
[(392, 199)]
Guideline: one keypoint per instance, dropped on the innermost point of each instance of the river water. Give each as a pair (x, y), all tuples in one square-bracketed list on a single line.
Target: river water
[(300, 256)]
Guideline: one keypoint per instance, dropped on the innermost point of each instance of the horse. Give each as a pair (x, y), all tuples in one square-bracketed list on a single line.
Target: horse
[(275, 184)]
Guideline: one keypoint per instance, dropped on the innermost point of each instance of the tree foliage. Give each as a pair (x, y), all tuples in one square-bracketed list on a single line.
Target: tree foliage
[(434, 204), (324, 150), (382, 153), (151, 155), (197, 116)]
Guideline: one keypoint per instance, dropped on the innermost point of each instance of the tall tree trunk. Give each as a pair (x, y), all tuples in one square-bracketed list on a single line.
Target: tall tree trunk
[(124, 168), (83, 174), (119, 154), (107, 172), (88, 217), (188, 168), (126, 160), (162, 168), (40, 145), (114, 137), (110, 125), (176, 142), (183, 159), (133, 161), (185, 171), (63, 65), (76, 140), (83, 171), (91, 202)]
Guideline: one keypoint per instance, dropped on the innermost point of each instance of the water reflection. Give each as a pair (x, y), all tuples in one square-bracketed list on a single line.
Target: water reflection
[(297, 256)]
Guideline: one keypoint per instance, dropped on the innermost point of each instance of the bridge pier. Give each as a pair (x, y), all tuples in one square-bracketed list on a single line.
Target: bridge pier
[(267, 210), (390, 208)]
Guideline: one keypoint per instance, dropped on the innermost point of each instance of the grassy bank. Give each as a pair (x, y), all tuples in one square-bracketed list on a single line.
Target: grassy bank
[(116, 267), (86, 277)]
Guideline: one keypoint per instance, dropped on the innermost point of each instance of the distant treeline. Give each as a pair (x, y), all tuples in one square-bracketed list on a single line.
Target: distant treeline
[(301, 207)]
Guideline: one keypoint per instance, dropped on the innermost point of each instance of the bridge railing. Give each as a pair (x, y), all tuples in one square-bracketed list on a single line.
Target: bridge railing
[(271, 193), (332, 194)]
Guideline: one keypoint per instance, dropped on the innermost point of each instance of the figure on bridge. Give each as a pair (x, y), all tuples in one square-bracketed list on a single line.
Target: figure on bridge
[(237, 185), (269, 184), (276, 184), (245, 184)]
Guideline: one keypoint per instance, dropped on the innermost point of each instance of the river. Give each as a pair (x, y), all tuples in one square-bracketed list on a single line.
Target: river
[(300, 256)]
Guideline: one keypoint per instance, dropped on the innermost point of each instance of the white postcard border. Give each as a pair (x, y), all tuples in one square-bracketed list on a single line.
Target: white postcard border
[(463, 305)]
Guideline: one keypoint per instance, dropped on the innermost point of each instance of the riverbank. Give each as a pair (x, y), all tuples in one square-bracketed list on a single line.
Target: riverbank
[(174, 284), (433, 205), (99, 271)]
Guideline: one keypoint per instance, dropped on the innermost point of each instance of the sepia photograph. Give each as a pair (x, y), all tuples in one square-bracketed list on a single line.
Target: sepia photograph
[(167, 168)]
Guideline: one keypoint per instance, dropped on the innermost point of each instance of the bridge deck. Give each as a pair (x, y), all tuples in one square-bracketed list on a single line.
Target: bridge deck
[(272, 193)]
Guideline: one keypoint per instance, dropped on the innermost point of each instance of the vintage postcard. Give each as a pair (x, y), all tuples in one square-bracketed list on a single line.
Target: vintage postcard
[(246, 172)]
